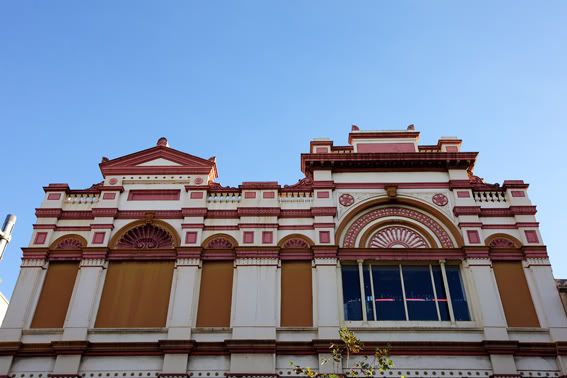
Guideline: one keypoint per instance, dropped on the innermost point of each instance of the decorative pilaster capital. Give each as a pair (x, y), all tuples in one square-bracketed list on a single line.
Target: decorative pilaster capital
[(33, 263), (325, 261), (187, 261), (93, 263), (255, 261)]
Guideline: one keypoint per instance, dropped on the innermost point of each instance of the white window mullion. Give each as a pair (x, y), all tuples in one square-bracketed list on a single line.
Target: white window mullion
[(403, 291), (447, 292), (362, 293), (372, 289), (435, 293)]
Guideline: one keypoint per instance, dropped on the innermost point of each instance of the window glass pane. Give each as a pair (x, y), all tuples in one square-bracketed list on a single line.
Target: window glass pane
[(388, 293), (458, 297), (351, 293), (419, 293), (441, 294), (368, 293)]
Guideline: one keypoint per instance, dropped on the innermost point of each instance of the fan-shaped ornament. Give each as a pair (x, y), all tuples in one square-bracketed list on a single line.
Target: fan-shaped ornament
[(69, 243), (146, 236), (397, 237), (296, 243), (219, 243), (501, 243)]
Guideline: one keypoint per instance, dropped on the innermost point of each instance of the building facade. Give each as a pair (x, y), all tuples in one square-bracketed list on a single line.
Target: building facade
[(160, 271)]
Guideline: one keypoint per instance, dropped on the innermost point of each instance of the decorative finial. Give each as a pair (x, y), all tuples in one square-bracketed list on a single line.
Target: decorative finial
[(355, 128), (162, 142), (411, 127), (104, 159)]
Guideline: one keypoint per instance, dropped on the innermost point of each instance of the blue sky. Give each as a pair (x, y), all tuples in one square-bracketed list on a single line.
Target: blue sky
[(253, 81)]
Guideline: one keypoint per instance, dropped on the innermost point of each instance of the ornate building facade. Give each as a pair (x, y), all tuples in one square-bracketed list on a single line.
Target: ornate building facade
[(160, 271)]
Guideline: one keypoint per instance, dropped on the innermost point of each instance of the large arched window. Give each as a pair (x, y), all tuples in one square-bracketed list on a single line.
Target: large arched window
[(137, 286)]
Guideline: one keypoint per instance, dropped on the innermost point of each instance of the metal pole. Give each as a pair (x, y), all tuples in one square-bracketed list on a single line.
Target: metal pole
[(6, 233)]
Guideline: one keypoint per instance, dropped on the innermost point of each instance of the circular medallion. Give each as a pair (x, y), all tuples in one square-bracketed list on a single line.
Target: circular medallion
[(198, 181), (440, 199), (346, 199), (113, 181)]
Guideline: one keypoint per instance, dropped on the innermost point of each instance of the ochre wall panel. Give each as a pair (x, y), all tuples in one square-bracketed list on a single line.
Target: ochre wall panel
[(135, 295), (515, 294), (297, 294), (215, 295), (55, 296)]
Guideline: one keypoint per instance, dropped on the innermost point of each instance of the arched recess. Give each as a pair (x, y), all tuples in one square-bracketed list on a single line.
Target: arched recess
[(404, 207), (69, 242), (220, 241), (501, 240), (296, 241), (146, 234)]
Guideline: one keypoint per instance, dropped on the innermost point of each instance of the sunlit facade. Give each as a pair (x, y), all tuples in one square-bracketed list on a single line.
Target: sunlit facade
[(159, 270)]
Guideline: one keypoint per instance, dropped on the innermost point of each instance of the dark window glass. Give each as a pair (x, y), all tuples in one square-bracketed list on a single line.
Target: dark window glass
[(388, 293), (458, 297), (351, 293), (441, 294), (419, 293), (368, 293)]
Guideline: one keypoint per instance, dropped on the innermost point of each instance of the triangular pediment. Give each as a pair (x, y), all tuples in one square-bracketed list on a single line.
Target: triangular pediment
[(159, 162), (160, 159)]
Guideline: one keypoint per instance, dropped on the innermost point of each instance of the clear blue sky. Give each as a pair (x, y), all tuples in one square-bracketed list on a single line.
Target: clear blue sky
[(253, 81)]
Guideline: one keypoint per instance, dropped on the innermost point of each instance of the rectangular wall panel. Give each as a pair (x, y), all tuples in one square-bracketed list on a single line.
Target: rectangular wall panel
[(135, 295), (53, 303), (215, 295), (297, 294), (515, 294)]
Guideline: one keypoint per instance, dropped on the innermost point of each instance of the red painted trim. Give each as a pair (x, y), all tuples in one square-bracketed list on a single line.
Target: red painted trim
[(190, 237), (218, 254), (221, 228), (531, 236), (194, 211), (417, 254), (258, 225), (249, 195), (196, 195), (382, 135), (497, 212), (259, 185), (296, 227), (221, 214), (323, 225), (40, 238), (259, 211), (73, 228), (470, 224), (192, 225), (53, 196), (463, 194), (518, 193), (267, 237), (298, 213), (405, 185), (44, 227), (141, 214), (248, 237), (324, 236), (154, 195), (98, 237), (385, 147), (106, 226), (109, 196), (473, 236), (324, 194), (268, 195), (324, 211)]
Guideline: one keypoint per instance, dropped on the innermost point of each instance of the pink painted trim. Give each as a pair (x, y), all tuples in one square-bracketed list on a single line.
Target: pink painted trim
[(190, 237), (73, 228), (196, 195), (470, 224), (221, 228), (53, 196), (324, 236), (518, 193), (249, 195), (248, 237), (385, 147), (452, 149), (296, 227), (44, 227), (192, 225), (531, 236), (473, 236), (268, 195), (267, 237), (106, 226), (40, 238), (323, 225), (402, 254), (108, 196), (258, 225), (324, 194), (407, 185), (154, 195), (463, 194), (98, 237), (321, 150)]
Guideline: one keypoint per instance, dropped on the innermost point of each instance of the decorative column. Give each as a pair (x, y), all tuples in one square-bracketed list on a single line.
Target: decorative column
[(254, 316), (22, 304), (183, 307)]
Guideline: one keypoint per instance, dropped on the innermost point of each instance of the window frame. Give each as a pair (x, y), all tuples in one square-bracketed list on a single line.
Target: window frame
[(452, 322)]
